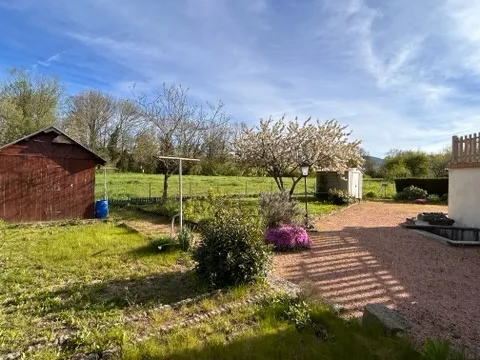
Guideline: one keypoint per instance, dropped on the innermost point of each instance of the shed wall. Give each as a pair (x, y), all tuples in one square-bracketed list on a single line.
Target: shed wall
[(45, 181)]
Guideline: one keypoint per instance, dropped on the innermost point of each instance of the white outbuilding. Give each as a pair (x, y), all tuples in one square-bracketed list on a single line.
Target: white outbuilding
[(351, 181)]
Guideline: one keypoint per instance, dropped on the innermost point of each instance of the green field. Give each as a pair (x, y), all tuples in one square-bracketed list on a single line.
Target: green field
[(128, 185)]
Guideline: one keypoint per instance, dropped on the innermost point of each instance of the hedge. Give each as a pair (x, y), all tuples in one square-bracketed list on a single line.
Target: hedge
[(437, 186)]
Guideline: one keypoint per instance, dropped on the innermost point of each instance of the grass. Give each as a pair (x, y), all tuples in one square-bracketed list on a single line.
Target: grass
[(84, 279), (125, 185), (265, 332), (375, 185), (196, 210)]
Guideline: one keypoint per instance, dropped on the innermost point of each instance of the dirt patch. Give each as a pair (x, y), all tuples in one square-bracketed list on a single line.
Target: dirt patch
[(362, 256)]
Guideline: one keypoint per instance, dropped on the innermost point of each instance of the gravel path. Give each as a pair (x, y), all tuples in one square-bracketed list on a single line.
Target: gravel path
[(362, 256)]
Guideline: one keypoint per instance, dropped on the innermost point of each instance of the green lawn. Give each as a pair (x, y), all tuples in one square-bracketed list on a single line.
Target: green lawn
[(375, 185), (84, 279), (125, 185)]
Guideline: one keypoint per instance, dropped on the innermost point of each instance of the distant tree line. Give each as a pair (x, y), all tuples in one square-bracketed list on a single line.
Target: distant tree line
[(131, 133), (408, 163)]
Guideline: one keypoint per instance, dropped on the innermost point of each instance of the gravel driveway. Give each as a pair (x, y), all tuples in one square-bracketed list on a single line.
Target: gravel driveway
[(362, 256)]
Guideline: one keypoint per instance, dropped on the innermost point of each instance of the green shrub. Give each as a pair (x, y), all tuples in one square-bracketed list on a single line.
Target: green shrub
[(298, 312), (400, 196), (371, 195), (437, 186), (231, 250), (185, 239), (433, 198), (414, 193), (410, 193), (340, 197), (444, 197), (278, 209), (197, 209), (169, 208)]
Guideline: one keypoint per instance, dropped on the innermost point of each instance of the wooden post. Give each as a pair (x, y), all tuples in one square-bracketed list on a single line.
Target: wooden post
[(454, 158)]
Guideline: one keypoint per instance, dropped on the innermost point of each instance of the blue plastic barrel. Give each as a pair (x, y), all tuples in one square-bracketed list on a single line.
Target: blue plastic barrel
[(101, 209)]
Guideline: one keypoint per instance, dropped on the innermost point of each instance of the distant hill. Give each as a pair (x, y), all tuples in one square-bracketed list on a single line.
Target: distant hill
[(377, 162)]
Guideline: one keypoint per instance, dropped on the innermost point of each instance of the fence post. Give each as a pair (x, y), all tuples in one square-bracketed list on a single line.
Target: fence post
[(454, 149)]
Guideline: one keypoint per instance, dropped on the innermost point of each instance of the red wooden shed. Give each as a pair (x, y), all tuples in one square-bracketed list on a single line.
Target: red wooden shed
[(47, 176)]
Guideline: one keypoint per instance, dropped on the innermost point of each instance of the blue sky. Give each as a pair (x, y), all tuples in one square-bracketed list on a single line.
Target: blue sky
[(401, 74)]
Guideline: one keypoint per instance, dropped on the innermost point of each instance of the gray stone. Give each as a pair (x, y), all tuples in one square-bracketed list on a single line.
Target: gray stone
[(391, 321), (109, 354)]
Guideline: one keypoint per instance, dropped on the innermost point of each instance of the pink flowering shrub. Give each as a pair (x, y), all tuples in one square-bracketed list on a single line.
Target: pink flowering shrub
[(287, 237)]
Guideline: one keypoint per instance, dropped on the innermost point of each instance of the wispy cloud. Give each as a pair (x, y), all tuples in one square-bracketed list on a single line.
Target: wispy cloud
[(401, 74), (51, 59)]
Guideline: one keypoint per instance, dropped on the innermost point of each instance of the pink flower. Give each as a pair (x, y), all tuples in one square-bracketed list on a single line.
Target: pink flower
[(287, 237)]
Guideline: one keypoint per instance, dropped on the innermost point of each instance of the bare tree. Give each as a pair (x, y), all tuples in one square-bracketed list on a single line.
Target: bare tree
[(126, 123), (90, 118), (27, 103), (279, 147), (182, 127)]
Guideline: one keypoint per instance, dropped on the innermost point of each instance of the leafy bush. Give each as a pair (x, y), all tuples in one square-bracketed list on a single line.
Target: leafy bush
[(400, 196), (287, 238), (410, 193), (185, 239), (340, 197), (197, 209), (298, 312), (433, 198), (371, 195), (437, 186), (231, 250), (278, 209), (413, 193), (169, 208), (444, 197)]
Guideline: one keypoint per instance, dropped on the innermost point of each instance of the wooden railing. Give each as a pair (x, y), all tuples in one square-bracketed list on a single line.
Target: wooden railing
[(466, 150)]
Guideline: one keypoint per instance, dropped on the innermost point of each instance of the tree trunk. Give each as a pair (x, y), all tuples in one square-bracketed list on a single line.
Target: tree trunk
[(294, 184), (279, 182), (165, 187)]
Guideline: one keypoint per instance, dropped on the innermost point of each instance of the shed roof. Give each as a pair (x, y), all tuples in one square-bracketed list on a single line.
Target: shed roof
[(54, 129)]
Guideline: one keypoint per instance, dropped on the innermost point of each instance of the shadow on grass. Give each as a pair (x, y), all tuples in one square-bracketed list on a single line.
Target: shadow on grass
[(346, 341), (156, 289), (164, 245)]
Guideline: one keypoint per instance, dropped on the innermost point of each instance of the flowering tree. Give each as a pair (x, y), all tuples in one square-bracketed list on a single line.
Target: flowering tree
[(280, 146)]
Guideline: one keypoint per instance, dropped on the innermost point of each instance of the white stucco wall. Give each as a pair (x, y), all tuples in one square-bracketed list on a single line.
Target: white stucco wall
[(464, 196)]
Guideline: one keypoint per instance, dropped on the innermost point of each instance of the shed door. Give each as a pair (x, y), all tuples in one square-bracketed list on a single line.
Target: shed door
[(355, 185)]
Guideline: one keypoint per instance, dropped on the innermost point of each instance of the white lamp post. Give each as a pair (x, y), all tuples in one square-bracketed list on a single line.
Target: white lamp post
[(305, 168)]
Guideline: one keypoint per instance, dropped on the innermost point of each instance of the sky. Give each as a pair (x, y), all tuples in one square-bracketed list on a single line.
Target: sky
[(401, 74)]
